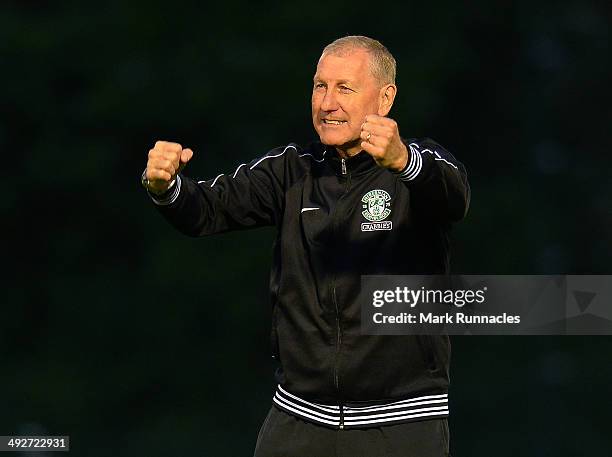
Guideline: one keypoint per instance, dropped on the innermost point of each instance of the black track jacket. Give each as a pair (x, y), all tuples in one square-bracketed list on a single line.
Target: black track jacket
[(338, 219)]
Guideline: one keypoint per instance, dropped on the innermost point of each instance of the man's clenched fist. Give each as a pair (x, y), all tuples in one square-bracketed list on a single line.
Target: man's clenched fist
[(382, 141), (166, 160)]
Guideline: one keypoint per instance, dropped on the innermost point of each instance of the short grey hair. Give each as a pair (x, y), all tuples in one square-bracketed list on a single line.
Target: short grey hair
[(382, 63)]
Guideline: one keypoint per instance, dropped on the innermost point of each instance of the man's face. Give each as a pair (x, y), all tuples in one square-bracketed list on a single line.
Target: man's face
[(344, 92)]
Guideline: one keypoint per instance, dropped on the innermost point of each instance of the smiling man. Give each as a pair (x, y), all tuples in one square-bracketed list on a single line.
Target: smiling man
[(359, 201), (350, 97)]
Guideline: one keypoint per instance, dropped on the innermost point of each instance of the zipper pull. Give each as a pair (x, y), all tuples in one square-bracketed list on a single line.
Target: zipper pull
[(343, 167)]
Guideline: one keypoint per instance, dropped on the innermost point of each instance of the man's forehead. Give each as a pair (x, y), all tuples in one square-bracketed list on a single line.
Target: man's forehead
[(349, 66)]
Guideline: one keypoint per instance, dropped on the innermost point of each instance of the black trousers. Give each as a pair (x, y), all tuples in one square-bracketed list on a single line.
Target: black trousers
[(283, 435)]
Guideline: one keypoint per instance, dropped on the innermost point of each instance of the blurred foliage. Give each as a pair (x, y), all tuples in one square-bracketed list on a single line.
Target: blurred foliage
[(135, 340)]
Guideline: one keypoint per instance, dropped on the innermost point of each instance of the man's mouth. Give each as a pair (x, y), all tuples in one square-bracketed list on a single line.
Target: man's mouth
[(333, 122)]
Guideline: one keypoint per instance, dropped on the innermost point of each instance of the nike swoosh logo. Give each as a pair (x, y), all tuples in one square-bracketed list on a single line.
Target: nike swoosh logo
[(308, 209)]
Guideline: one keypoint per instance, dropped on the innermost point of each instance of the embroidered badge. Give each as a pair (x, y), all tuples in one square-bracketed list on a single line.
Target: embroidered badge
[(376, 207)]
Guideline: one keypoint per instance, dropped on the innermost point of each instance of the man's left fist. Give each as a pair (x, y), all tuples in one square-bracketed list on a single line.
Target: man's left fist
[(381, 140)]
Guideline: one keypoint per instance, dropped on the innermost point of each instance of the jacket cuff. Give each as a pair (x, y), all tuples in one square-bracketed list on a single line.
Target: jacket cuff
[(413, 167)]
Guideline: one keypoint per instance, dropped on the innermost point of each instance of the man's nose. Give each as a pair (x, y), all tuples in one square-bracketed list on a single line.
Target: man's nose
[(330, 102)]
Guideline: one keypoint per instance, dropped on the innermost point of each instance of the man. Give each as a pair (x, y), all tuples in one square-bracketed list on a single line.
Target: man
[(359, 201)]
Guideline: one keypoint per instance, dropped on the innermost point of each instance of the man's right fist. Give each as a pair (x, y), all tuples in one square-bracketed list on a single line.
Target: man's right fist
[(166, 160)]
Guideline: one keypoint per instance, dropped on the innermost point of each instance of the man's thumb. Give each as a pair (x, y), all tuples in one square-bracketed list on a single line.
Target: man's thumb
[(186, 155)]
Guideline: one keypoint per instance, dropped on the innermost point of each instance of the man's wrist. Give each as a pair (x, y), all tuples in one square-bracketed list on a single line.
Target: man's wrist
[(401, 165), (163, 193), (157, 194), (413, 166)]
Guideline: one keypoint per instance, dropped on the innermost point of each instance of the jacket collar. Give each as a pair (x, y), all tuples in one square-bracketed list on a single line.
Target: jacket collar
[(359, 163)]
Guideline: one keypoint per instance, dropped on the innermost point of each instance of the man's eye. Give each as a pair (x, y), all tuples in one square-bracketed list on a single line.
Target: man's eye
[(319, 86), (345, 89)]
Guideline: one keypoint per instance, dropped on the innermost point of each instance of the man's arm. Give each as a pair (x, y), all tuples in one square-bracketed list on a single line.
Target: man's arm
[(438, 181), (251, 196)]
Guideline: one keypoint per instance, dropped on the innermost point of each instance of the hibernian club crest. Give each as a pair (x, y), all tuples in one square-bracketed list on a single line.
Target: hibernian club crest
[(376, 205)]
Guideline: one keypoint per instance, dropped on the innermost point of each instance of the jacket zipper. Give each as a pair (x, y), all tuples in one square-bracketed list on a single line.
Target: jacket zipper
[(338, 329), (338, 343)]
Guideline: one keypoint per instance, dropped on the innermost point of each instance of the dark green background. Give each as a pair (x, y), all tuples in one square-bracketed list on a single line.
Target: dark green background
[(137, 341)]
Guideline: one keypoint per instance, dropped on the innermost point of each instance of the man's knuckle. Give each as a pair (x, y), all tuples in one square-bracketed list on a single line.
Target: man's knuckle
[(174, 147)]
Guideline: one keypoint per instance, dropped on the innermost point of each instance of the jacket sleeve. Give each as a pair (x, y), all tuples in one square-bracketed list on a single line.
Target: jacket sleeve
[(251, 196), (437, 181)]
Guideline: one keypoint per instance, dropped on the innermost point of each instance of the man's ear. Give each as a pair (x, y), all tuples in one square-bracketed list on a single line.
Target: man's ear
[(386, 98)]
